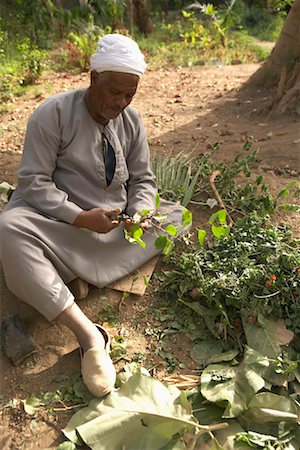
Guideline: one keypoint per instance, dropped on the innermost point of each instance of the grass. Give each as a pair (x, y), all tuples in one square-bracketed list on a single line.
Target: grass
[(262, 24), (162, 50), (12, 78), (175, 177)]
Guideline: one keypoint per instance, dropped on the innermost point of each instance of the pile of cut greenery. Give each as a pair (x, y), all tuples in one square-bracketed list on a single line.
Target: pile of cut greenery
[(253, 266), (243, 283)]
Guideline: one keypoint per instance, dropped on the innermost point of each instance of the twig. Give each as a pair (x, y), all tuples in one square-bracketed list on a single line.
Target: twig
[(121, 302), (209, 429), (267, 296), (225, 333), (183, 381), (70, 407), (212, 178), (194, 440)]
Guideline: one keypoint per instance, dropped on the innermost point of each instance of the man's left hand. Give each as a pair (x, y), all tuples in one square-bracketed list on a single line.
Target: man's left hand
[(145, 225)]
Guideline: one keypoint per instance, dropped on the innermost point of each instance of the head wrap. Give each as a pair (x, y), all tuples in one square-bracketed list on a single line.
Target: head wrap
[(118, 53)]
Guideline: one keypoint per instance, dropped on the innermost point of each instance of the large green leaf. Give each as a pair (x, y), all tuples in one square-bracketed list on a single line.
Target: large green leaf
[(67, 445), (219, 440), (256, 440), (225, 356), (142, 414), (227, 436), (202, 351), (208, 315), (234, 386), (176, 444), (268, 407), (268, 336), (6, 191), (206, 412)]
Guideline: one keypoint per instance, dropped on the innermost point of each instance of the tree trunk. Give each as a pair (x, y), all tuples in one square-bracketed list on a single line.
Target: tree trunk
[(142, 17), (282, 68)]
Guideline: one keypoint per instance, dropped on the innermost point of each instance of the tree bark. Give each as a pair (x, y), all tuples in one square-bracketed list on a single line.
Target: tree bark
[(142, 17), (282, 69)]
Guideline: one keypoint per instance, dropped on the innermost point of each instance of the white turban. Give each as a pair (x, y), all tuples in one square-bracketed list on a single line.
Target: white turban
[(118, 53)]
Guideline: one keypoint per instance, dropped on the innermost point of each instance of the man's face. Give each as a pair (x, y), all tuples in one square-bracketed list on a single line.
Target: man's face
[(110, 93)]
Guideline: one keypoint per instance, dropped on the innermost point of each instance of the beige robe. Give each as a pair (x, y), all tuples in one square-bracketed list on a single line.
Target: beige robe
[(62, 172)]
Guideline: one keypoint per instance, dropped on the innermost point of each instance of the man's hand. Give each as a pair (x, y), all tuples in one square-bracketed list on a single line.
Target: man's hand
[(98, 219), (145, 224)]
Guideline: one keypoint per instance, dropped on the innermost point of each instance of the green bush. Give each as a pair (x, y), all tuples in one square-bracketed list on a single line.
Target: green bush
[(84, 43), (31, 61), (264, 24)]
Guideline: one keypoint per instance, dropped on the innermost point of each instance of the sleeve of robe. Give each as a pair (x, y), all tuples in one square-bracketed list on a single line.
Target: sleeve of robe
[(141, 185), (38, 163)]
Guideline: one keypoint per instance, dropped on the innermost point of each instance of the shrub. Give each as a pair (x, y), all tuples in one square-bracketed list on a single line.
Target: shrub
[(32, 61)]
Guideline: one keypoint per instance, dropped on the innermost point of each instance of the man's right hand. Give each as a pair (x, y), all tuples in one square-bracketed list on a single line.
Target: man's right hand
[(98, 219)]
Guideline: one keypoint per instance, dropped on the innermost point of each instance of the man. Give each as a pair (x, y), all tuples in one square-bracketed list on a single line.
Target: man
[(85, 160)]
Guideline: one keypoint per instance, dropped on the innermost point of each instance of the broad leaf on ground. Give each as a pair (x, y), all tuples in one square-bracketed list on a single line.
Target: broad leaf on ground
[(204, 350), (143, 413), (67, 445), (268, 336), (209, 413), (234, 385), (225, 356), (268, 407), (177, 444), (204, 411), (33, 404), (256, 439), (227, 436), (209, 315)]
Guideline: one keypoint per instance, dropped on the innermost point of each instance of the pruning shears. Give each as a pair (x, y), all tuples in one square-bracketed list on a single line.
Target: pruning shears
[(122, 217)]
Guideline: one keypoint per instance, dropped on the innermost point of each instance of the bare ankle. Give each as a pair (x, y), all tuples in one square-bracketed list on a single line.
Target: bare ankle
[(93, 339)]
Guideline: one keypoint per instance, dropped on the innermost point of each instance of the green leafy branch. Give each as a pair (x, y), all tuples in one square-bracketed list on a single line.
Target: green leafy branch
[(165, 235)]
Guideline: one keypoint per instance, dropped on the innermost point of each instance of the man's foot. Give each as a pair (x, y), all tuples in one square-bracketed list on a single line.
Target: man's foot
[(79, 288), (98, 372)]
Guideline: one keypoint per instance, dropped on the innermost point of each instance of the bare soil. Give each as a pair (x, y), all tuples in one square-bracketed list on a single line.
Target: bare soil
[(184, 109)]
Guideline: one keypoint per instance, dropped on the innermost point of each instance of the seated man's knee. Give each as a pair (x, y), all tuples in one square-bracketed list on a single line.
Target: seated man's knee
[(10, 227)]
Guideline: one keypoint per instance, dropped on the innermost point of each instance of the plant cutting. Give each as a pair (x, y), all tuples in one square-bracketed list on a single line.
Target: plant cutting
[(146, 219)]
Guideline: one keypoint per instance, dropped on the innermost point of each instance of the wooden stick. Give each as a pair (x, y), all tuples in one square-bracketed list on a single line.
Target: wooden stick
[(213, 176)]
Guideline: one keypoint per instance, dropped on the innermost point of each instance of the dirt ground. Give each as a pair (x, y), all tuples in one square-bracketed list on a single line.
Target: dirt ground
[(184, 109)]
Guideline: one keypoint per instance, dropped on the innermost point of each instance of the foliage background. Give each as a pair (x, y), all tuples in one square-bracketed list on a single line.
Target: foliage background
[(61, 35)]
